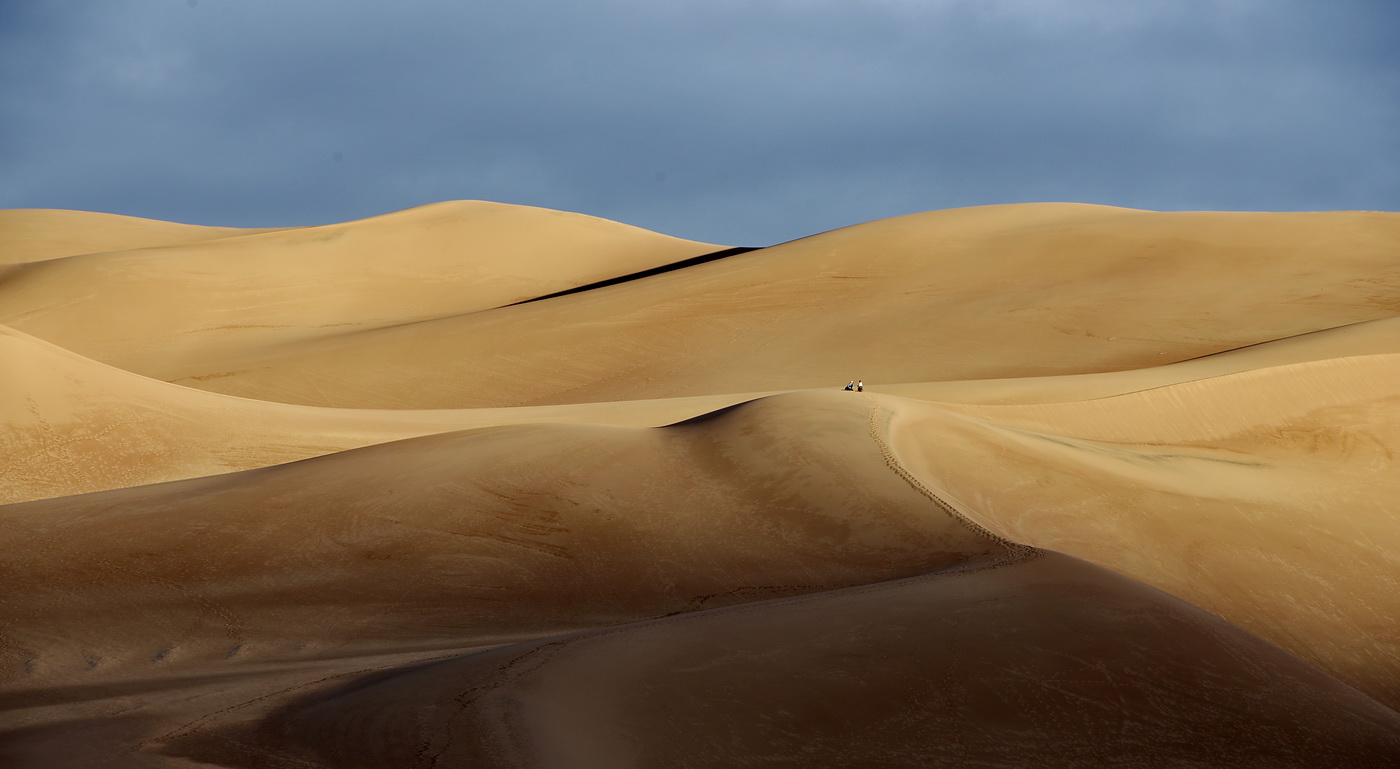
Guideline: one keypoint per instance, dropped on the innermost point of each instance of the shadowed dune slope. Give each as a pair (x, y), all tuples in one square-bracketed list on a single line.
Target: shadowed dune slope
[(1003, 666), (198, 309), (487, 533), (1270, 497), (1000, 291)]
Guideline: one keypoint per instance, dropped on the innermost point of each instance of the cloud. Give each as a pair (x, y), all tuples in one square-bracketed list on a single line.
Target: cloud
[(734, 122)]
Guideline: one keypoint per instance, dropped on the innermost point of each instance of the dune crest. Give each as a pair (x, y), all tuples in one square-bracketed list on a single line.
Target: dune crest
[(474, 484), (204, 308), (74, 425), (1006, 291), (1284, 479), (40, 234)]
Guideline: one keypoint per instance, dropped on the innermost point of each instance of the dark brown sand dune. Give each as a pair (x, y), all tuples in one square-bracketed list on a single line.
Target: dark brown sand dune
[(1122, 490), (1088, 669)]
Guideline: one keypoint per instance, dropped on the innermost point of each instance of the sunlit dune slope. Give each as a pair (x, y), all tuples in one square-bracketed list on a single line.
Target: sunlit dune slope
[(472, 535), (201, 308), (1000, 291), (1366, 338), (73, 425), (1270, 497), (77, 426), (39, 234)]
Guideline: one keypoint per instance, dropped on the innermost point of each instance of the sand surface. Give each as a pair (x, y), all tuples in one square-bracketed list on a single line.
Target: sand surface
[(1122, 489)]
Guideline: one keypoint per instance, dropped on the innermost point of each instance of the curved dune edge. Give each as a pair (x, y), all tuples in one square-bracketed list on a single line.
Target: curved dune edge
[(39, 234), (639, 524), (222, 595), (1268, 497), (392, 591), (1023, 290), (78, 426), (205, 308), (75, 426), (1005, 291), (420, 540), (1003, 666), (1373, 337)]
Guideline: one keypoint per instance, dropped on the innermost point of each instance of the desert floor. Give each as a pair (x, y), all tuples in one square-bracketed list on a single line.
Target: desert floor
[(481, 485)]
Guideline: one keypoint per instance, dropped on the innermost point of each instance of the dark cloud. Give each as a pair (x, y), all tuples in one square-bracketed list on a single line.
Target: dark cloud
[(734, 122)]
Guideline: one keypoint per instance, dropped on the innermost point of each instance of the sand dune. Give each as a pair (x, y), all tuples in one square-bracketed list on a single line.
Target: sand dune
[(77, 426), (1269, 497), (874, 676), (36, 235), (1365, 338), (1122, 490), (454, 541), (1004, 291), (465, 523), (1069, 289), (74, 425), (198, 309)]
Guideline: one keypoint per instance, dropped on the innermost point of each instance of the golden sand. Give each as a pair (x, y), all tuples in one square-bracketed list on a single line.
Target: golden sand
[(1121, 489)]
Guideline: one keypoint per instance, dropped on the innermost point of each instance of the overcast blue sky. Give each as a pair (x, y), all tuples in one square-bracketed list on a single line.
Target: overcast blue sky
[(742, 122)]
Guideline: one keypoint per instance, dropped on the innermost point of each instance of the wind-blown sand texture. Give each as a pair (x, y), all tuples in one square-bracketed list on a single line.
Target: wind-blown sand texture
[(1122, 489)]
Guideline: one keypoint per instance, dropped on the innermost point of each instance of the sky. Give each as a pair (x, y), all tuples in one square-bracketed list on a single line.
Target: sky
[(736, 122)]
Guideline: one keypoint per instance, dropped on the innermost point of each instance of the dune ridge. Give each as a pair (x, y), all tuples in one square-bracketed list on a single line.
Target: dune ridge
[(1283, 478), (803, 314), (75, 425), (36, 235), (220, 302), (1121, 489)]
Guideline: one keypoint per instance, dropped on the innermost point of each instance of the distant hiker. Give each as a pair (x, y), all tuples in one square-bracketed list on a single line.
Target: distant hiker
[(860, 385), (851, 385)]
